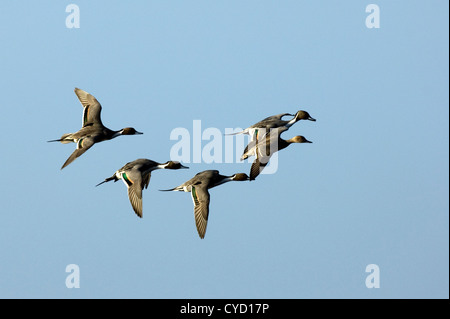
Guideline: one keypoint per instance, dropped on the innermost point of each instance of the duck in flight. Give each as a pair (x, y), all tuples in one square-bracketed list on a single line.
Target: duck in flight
[(136, 175), (260, 130), (263, 149), (274, 121), (198, 186), (92, 131)]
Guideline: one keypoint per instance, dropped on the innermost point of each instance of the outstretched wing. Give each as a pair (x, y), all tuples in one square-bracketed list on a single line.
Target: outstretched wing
[(134, 183), (200, 197), (256, 169), (263, 140), (83, 145), (263, 151), (92, 108), (135, 196)]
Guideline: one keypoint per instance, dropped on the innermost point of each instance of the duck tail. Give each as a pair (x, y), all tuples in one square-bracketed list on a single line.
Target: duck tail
[(64, 139), (112, 178), (167, 190), (241, 132), (237, 133), (178, 188)]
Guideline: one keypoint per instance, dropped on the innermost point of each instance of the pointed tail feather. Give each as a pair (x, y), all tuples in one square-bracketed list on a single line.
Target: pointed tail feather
[(246, 131), (178, 188), (256, 169), (168, 190), (236, 133), (64, 139), (112, 178)]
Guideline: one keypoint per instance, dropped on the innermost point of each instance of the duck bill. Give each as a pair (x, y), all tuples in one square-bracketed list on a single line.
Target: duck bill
[(140, 133), (182, 166), (311, 119)]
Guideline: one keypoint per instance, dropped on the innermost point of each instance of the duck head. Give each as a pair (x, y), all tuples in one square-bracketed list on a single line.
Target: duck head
[(240, 177), (299, 139), (303, 115), (174, 165), (129, 131)]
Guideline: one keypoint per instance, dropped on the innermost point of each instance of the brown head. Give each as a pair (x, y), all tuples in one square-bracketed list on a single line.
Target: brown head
[(298, 139), (303, 115), (240, 177), (174, 165), (129, 131)]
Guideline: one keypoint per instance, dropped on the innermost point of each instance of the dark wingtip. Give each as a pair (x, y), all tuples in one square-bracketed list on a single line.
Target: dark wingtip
[(64, 165)]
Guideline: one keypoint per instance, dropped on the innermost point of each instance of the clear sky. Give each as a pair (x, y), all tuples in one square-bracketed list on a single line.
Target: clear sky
[(371, 189)]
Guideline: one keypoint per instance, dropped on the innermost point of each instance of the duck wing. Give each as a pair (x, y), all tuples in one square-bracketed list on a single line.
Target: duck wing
[(200, 197), (91, 107), (134, 182), (256, 169), (83, 145), (263, 150), (262, 140), (262, 157)]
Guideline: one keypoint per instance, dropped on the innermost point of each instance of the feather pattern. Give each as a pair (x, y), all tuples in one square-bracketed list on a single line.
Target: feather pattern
[(136, 176)]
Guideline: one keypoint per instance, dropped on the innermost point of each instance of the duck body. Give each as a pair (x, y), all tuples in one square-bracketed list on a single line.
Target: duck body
[(136, 176), (92, 131), (275, 121), (264, 149), (198, 186), (261, 130), (98, 133)]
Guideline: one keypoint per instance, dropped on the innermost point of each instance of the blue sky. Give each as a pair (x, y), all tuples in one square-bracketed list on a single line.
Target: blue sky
[(371, 189)]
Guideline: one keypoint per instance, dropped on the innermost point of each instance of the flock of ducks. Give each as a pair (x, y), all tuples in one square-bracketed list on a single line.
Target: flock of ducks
[(265, 140)]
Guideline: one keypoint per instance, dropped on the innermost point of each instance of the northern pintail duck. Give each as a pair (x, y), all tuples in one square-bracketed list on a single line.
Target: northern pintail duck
[(93, 131), (260, 130), (136, 175), (274, 121), (264, 149), (198, 186)]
